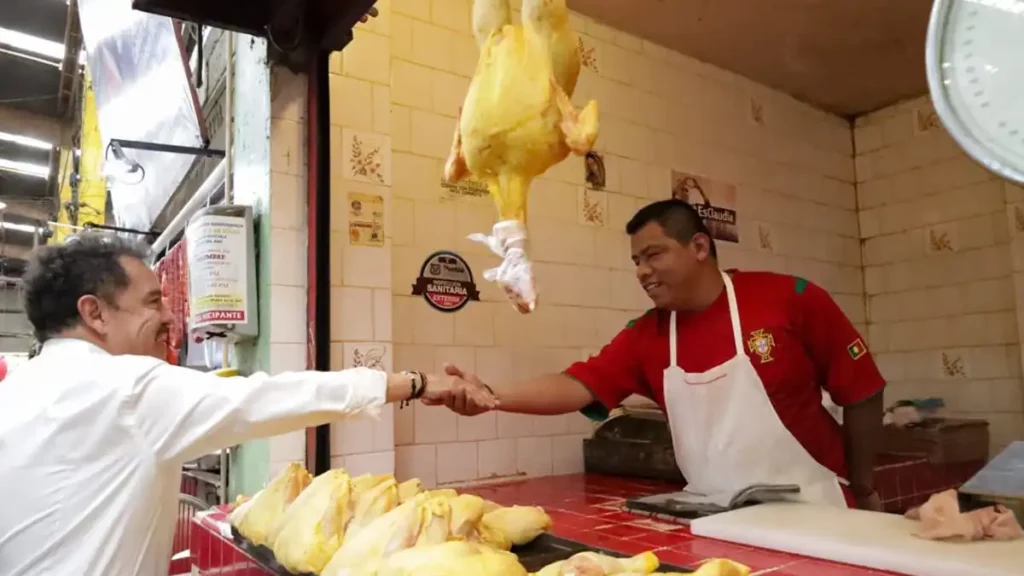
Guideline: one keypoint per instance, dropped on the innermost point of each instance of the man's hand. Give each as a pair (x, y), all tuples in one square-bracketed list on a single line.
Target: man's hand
[(454, 391), (468, 395), (870, 500)]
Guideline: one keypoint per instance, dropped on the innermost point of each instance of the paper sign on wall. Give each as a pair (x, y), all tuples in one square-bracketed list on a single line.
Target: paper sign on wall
[(366, 219), (218, 270), (715, 202)]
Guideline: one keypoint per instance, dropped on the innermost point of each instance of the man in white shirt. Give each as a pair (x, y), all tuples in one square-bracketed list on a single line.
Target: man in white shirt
[(94, 430)]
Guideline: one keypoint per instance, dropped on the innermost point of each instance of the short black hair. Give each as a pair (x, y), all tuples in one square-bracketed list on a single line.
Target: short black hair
[(677, 218), (58, 276)]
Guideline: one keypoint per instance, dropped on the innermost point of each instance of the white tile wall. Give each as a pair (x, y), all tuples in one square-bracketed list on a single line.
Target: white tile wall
[(940, 263), (361, 304), (660, 111), (922, 248), (288, 278)]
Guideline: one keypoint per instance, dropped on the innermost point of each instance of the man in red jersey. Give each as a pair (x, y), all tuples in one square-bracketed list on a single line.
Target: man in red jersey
[(738, 362)]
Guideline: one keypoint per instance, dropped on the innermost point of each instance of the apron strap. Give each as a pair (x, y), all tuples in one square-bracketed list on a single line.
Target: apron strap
[(672, 340), (734, 315)]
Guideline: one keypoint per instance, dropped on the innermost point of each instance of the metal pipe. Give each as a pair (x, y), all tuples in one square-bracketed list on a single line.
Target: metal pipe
[(318, 303), (168, 148), (197, 201)]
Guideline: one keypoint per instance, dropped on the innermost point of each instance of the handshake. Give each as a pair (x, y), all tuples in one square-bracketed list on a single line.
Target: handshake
[(462, 393)]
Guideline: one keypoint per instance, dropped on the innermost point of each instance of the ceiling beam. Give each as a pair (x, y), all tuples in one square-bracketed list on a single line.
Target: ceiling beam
[(28, 124), (19, 251), (43, 209)]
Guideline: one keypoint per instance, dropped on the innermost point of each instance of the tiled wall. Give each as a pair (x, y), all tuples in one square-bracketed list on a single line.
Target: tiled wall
[(942, 268), (935, 295), (660, 111), (288, 241), (361, 321)]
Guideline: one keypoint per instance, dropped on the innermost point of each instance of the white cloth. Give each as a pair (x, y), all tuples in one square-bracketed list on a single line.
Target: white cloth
[(726, 434), (92, 445)]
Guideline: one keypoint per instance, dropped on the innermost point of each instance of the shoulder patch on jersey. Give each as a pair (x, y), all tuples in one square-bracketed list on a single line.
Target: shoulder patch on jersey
[(800, 285), (632, 323)]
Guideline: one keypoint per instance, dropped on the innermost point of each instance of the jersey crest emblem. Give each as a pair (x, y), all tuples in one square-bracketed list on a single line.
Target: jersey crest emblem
[(762, 343), (857, 349)]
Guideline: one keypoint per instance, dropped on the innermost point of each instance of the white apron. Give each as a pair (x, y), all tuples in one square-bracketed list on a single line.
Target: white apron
[(727, 436)]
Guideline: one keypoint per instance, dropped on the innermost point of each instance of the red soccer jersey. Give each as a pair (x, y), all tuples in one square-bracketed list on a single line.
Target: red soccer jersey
[(797, 338)]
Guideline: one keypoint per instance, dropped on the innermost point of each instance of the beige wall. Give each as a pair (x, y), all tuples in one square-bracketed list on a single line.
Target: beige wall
[(941, 250), (395, 92), (288, 239), (397, 88)]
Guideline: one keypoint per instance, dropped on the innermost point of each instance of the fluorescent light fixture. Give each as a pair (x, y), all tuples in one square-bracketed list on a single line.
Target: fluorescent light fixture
[(19, 227), (3, 206), (25, 141), (32, 44), (37, 170)]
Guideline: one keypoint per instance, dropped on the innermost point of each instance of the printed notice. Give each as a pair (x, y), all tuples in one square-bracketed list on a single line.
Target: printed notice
[(218, 271)]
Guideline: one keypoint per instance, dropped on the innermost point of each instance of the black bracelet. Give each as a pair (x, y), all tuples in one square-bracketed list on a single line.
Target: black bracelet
[(417, 387), (417, 393)]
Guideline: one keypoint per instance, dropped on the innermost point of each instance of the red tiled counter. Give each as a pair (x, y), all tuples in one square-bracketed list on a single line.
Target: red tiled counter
[(905, 481), (213, 553), (588, 508)]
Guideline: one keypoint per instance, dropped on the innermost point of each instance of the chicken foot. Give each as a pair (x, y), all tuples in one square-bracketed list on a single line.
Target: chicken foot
[(489, 16), (508, 240)]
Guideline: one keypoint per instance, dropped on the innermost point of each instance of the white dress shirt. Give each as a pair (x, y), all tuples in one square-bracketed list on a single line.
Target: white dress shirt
[(92, 446)]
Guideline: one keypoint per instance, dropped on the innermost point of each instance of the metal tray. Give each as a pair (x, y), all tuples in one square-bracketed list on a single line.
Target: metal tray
[(262, 555), (544, 550)]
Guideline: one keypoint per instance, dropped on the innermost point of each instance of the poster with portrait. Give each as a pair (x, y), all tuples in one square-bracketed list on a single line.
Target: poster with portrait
[(366, 219), (715, 202)]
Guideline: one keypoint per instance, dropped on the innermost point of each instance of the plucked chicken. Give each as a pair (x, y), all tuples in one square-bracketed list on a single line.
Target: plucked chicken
[(517, 121), (312, 529), (256, 518), (372, 497), (423, 520), (515, 525), (595, 564), (451, 559), (721, 567), (409, 488)]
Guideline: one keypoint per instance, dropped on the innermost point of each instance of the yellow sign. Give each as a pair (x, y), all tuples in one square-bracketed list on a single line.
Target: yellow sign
[(761, 343), (90, 205), (365, 219)]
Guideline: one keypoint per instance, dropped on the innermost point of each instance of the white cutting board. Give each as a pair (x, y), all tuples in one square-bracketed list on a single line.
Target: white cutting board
[(868, 539)]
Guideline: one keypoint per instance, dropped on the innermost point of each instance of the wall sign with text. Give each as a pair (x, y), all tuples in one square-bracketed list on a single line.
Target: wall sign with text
[(715, 202), (446, 282)]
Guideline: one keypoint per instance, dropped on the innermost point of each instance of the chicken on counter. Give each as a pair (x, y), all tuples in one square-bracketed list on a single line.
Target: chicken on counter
[(595, 564), (513, 526), (256, 518), (409, 488), (423, 520), (517, 121), (372, 497), (309, 533), (451, 559)]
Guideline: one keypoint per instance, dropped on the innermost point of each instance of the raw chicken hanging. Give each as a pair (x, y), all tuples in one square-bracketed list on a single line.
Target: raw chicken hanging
[(517, 121)]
